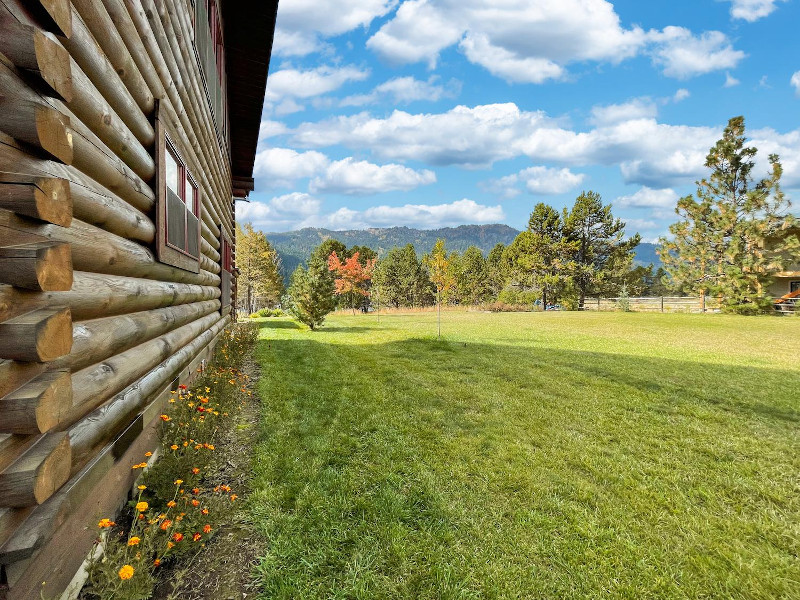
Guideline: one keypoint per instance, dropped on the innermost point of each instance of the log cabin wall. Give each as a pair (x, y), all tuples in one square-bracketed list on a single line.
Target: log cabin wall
[(121, 154)]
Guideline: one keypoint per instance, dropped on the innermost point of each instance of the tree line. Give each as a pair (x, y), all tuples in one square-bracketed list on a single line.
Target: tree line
[(733, 235)]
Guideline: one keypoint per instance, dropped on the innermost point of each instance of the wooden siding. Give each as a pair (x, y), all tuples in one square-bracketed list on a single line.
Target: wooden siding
[(94, 329)]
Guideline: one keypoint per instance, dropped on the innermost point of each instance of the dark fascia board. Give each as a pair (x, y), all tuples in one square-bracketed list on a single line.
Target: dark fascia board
[(249, 32)]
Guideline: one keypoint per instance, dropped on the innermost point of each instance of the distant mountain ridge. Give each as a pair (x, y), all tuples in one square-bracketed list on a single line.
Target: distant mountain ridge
[(296, 246)]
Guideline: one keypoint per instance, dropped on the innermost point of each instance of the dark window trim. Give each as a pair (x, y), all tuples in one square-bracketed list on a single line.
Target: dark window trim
[(166, 252), (226, 269)]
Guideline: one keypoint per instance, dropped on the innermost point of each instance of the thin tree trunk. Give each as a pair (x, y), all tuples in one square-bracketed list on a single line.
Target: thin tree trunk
[(439, 316)]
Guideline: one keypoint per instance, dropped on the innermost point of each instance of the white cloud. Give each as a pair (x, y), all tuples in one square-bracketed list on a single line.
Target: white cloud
[(423, 216), (649, 198), (353, 177), (537, 180), (270, 129), (752, 10), (539, 38), (279, 167), (297, 210), (314, 82), (684, 55), (639, 224), (681, 95), (730, 81), (404, 90), (295, 43), (795, 82), (287, 107), (334, 18), (639, 108)]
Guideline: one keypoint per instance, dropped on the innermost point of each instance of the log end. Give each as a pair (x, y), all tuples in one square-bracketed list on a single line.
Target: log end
[(38, 406), (54, 63), (53, 472), (54, 133), (54, 335), (40, 266), (53, 201), (60, 11)]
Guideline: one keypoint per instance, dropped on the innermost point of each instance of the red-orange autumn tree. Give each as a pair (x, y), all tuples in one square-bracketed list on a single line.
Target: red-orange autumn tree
[(352, 277)]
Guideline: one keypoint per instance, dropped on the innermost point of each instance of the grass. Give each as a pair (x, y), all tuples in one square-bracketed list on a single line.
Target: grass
[(558, 455)]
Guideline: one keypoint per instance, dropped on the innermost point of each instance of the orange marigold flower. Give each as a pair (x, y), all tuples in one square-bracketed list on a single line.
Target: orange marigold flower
[(173, 447), (233, 497), (206, 528), (165, 418), (185, 444), (141, 506), (182, 387), (166, 525), (210, 446), (196, 537), (141, 517), (226, 488), (105, 523), (191, 404), (177, 537), (157, 562), (204, 511), (195, 491), (195, 502), (134, 541), (195, 470), (148, 454), (178, 481), (171, 504), (126, 572), (170, 545)]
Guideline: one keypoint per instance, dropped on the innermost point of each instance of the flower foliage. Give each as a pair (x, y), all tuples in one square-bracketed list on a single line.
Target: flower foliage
[(182, 498)]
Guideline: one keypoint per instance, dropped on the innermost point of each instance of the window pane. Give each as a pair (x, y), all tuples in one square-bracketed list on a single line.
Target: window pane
[(173, 175), (176, 221), (191, 195)]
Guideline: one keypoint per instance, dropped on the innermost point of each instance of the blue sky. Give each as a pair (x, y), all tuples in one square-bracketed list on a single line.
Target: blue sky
[(431, 113)]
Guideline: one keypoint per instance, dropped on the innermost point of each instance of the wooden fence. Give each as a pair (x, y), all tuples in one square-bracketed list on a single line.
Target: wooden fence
[(688, 304)]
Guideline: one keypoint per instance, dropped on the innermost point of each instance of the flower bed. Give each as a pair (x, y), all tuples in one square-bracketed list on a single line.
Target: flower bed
[(185, 496)]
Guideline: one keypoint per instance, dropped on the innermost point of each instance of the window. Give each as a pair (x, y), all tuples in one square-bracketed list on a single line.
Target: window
[(226, 274), (210, 50), (178, 205), (794, 286)]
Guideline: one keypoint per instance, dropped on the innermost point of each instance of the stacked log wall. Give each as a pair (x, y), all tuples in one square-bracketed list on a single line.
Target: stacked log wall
[(94, 329)]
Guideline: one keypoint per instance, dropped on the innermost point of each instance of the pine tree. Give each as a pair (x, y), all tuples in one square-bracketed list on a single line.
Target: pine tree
[(497, 270), (542, 257), (732, 236), (603, 255), (311, 293)]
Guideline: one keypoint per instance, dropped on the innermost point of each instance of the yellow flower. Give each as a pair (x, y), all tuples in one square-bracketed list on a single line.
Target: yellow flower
[(178, 481), (173, 447), (148, 454), (105, 523), (126, 572), (165, 418), (134, 541), (142, 506), (208, 390), (142, 488)]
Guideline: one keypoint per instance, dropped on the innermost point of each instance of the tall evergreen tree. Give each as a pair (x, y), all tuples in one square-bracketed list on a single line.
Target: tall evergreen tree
[(602, 252), (311, 293), (473, 277), (401, 279), (496, 270), (542, 257), (732, 236)]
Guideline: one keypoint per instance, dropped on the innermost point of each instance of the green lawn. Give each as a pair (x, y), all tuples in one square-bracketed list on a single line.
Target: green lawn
[(558, 455)]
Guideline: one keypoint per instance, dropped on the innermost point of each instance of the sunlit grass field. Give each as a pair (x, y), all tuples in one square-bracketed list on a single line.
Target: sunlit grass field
[(548, 455)]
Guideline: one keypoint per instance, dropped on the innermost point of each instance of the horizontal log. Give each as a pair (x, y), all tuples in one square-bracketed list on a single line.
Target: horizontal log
[(147, 397), (105, 33), (97, 251), (14, 373), (35, 52), (94, 158), (97, 114), (38, 336), (45, 198), (99, 339), (28, 118), (95, 64), (38, 473), (13, 446), (37, 406), (95, 384), (42, 266), (91, 201), (93, 295), (94, 430), (10, 520)]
